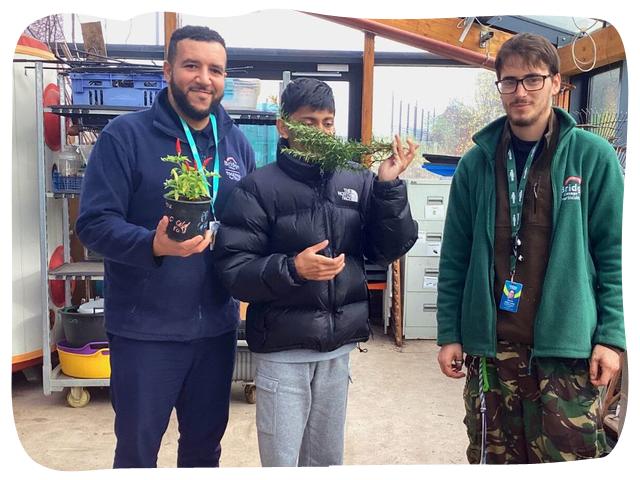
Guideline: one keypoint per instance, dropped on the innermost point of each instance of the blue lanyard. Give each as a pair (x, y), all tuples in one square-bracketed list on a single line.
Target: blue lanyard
[(216, 161)]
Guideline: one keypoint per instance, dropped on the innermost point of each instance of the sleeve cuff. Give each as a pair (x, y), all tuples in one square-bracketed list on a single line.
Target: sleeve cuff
[(291, 266), (612, 347), (380, 185)]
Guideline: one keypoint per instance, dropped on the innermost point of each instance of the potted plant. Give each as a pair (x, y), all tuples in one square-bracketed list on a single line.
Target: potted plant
[(187, 199), (331, 152)]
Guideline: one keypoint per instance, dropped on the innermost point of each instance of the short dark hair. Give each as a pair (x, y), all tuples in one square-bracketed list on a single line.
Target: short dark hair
[(533, 50), (306, 92), (192, 32)]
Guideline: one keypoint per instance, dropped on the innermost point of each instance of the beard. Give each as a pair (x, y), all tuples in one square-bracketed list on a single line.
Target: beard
[(526, 121), (189, 110), (523, 122)]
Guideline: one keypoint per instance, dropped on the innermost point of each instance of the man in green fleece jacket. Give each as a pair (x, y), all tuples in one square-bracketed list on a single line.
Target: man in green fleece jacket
[(530, 284)]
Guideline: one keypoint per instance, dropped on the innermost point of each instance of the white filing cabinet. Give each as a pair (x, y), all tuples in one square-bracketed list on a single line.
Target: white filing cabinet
[(428, 199)]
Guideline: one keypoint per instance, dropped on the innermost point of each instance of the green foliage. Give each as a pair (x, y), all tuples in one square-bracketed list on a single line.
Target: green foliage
[(186, 181), (331, 152), (453, 129)]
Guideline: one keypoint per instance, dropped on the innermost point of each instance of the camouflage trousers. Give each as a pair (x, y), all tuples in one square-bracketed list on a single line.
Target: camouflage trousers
[(545, 410)]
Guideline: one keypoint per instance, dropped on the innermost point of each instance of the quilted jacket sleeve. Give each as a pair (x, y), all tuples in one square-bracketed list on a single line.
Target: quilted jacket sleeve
[(248, 271), (390, 230)]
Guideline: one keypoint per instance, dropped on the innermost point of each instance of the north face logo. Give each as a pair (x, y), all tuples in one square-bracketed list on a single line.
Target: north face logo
[(348, 195), (572, 188)]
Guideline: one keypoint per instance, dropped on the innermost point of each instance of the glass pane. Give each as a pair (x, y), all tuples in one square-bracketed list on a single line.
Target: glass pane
[(264, 138), (604, 91), (280, 29), (570, 24), (439, 107)]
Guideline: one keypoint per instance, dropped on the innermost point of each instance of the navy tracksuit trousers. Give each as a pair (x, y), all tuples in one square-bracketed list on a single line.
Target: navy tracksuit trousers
[(150, 378)]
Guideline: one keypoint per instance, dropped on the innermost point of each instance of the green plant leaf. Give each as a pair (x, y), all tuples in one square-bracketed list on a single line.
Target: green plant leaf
[(331, 152), (186, 182)]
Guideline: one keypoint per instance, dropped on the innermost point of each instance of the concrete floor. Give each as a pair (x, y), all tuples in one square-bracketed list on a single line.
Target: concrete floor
[(401, 410)]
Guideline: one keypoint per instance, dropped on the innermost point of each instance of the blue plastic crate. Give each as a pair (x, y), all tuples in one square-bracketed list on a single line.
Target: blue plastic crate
[(263, 140), (116, 89), (66, 184), (442, 170)]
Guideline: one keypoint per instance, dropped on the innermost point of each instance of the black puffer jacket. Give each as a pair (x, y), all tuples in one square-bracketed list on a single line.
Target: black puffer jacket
[(285, 207)]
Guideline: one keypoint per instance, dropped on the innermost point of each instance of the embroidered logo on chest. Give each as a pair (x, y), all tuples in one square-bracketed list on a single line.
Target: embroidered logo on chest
[(571, 188), (232, 169), (348, 195)]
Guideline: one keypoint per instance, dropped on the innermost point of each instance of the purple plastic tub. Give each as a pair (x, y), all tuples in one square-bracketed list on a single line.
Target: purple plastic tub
[(88, 349)]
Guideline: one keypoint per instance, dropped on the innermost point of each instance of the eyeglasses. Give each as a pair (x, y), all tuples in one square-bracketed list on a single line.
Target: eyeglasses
[(530, 83)]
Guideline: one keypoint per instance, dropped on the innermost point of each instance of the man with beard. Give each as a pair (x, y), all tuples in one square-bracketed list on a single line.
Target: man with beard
[(535, 208), (171, 323)]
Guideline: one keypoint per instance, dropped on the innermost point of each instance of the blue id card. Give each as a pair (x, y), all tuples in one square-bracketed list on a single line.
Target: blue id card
[(511, 293)]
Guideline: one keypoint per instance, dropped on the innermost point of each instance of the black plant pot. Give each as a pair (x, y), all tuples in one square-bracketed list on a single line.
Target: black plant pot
[(82, 328), (187, 218)]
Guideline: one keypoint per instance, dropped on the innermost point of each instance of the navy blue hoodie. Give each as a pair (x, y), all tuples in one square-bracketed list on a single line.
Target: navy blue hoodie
[(147, 297)]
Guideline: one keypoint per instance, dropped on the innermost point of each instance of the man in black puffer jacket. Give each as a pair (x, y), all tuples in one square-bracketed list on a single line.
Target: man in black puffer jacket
[(292, 243)]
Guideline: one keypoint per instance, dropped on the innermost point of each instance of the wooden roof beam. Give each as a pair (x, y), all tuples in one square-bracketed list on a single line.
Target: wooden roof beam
[(448, 30), (396, 31), (609, 49), (440, 36)]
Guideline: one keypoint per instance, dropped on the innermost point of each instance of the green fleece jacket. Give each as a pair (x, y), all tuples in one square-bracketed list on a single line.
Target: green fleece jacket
[(581, 302)]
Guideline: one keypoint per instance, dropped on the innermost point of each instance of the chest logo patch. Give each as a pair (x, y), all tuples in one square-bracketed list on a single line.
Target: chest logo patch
[(348, 195), (231, 163), (571, 188), (232, 169)]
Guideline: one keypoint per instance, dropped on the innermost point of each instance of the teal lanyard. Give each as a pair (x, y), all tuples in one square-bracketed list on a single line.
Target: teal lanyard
[(216, 160), (516, 198)]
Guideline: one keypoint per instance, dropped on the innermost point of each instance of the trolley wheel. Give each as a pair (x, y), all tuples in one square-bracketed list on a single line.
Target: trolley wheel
[(250, 393), (78, 397)]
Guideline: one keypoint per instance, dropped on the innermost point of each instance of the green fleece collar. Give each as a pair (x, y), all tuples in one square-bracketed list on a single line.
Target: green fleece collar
[(489, 137)]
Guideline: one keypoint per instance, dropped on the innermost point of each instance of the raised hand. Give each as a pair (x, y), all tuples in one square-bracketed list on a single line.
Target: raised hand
[(398, 162)]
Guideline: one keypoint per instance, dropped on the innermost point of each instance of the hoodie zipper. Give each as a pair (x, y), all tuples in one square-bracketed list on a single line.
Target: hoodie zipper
[(535, 195), (325, 212)]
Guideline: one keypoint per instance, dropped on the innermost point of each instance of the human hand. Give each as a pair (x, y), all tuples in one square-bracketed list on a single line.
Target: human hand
[(603, 365), (397, 163), (450, 360), (312, 266), (164, 246)]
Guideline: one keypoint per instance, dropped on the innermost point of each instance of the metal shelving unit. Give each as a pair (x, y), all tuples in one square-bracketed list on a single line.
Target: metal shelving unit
[(53, 380)]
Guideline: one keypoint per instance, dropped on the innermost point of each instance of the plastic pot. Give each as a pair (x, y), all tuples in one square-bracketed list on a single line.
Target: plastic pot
[(186, 218), (82, 328)]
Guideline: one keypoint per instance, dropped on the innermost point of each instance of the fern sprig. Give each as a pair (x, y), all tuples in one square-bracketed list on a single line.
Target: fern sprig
[(331, 152)]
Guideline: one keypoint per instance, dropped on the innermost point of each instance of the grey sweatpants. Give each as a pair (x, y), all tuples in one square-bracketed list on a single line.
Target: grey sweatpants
[(301, 411)]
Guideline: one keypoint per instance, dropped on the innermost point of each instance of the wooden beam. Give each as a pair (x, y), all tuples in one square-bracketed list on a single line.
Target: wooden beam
[(396, 304), (609, 49), (93, 40), (366, 130), (170, 25), (398, 33), (448, 30)]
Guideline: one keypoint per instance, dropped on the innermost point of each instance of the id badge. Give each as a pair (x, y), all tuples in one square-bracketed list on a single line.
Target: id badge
[(511, 293), (214, 225)]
